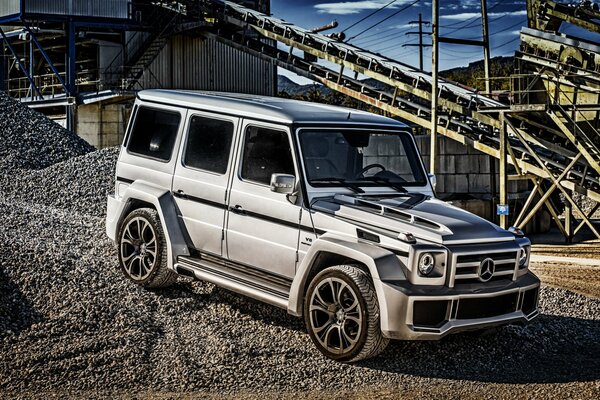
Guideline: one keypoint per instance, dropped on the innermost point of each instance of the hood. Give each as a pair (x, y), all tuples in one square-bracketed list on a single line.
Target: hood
[(425, 217)]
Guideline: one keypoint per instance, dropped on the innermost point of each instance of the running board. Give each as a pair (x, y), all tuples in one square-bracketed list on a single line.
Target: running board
[(240, 279)]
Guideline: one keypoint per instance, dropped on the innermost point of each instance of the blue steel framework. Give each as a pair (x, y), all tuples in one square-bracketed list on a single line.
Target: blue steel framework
[(71, 26)]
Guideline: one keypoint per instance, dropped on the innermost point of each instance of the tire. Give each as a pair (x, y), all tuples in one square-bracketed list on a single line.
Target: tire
[(142, 250), (342, 314)]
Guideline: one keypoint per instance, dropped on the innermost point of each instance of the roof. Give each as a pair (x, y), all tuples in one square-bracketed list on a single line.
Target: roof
[(274, 109)]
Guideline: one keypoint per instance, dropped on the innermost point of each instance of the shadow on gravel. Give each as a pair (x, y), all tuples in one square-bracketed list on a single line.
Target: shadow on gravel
[(246, 305), (552, 349), (16, 312)]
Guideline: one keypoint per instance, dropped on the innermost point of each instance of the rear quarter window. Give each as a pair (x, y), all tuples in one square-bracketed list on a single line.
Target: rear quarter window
[(154, 133)]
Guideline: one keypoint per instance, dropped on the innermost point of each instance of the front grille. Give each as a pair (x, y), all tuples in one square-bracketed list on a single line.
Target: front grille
[(466, 267)]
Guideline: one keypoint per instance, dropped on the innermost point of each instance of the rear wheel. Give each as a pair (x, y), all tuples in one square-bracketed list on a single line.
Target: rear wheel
[(342, 314), (143, 250)]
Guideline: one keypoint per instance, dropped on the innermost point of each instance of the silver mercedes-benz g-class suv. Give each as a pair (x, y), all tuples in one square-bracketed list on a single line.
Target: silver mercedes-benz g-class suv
[(324, 211)]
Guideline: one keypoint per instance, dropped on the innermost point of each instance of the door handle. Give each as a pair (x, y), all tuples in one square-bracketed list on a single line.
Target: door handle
[(181, 193), (238, 210)]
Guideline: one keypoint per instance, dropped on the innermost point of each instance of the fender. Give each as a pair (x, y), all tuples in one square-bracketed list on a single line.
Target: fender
[(166, 207), (383, 265)]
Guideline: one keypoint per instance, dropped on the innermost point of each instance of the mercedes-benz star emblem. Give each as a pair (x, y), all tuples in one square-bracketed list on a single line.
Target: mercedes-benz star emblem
[(486, 270)]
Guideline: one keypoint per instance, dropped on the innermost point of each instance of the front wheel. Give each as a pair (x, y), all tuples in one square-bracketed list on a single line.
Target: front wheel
[(143, 250), (342, 314)]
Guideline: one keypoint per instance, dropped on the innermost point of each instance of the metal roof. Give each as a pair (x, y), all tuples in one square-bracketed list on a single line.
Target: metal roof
[(262, 107)]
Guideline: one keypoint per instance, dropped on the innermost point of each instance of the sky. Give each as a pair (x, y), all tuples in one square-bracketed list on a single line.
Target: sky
[(385, 31)]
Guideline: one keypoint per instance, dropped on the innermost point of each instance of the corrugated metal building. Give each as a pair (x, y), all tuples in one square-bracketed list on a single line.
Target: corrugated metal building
[(204, 64), (117, 9)]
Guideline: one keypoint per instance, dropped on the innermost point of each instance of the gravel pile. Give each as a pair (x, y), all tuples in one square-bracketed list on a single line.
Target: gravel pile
[(70, 323), (29, 140), (79, 184)]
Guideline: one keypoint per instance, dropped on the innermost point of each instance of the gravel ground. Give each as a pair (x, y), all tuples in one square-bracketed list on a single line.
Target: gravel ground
[(72, 326)]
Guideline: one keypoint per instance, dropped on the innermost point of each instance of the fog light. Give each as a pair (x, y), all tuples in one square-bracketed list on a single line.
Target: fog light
[(426, 264)]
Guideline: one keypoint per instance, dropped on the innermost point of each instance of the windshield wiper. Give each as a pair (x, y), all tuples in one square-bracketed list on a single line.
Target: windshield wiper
[(354, 188), (385, 181)]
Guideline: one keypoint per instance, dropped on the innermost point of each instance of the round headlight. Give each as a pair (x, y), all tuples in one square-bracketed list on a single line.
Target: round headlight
[(426, 264), (522, 258)]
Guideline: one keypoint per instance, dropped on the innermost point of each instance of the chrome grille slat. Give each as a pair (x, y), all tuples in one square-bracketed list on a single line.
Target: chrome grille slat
[(476, 264), (466, 264), (475, 276)]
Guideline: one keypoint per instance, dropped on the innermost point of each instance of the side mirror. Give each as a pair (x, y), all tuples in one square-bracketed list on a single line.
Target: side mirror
[(432, 180), (283, 183)]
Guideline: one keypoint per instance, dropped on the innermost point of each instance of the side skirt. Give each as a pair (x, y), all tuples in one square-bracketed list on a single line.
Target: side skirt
[(259, 285)]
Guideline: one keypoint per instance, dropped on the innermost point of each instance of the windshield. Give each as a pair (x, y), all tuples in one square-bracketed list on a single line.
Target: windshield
[(354, 158)]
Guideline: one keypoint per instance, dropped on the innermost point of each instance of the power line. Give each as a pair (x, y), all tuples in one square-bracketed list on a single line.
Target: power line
[(389, 47), (383, 20), (469, 22), (388, 37), (370, 15), (507, 43)]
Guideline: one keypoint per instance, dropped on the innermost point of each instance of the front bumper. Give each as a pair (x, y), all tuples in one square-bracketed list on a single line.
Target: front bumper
[(414, 312)]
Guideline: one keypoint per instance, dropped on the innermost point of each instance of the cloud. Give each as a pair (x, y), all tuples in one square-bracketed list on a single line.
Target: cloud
[(465, 15), (355, 7), (469, 15)]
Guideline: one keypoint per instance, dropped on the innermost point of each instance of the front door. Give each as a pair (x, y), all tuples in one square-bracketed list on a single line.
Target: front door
[(263, 226)]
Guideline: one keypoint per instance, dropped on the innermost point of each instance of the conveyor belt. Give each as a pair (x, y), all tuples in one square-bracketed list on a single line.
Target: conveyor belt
[(465, 116)]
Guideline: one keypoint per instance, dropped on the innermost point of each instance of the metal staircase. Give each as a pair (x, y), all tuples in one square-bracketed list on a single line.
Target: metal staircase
[(140, 61)]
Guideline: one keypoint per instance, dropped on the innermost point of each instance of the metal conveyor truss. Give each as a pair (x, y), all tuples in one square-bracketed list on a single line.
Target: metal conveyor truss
[(464, 115)]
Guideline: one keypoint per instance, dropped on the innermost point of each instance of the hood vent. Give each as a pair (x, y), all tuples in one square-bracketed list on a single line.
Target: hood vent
[(399, 215)]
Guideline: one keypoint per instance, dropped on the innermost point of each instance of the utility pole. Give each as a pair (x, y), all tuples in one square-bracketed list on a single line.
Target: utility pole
[(486, 45), (420, 33), (435, 31)]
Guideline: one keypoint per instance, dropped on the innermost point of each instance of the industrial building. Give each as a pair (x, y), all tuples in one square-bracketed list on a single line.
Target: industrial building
[(81, 61)]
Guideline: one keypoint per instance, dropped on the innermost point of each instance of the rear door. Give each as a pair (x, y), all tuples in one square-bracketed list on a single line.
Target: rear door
[(263, 226), (201, 178)]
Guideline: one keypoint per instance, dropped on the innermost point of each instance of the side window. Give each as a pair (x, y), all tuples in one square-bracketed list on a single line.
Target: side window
[(208, 144), (266, 152), (154, 133)]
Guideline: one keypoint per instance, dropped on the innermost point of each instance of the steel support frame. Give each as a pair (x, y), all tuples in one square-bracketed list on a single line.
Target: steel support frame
[(46, 57), (21, 66), (71, 73), (556, 184)]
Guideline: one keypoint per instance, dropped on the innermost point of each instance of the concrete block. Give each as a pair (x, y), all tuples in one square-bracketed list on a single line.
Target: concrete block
[(447, 164), (423, 143), (475, 206), (464, 164), (110, 116), (449, 146), (87, 129), (484, 163), (440, 186), (457, 184), (479, 183)]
